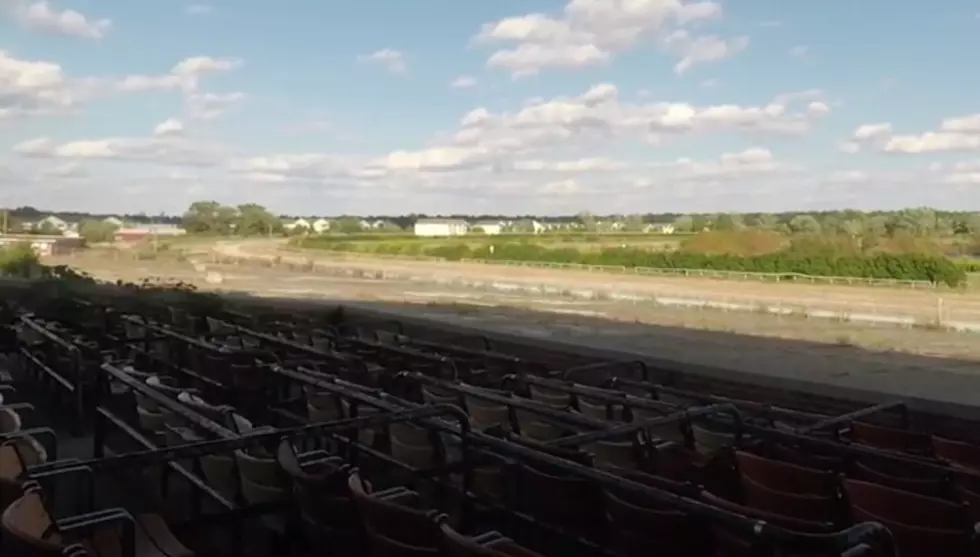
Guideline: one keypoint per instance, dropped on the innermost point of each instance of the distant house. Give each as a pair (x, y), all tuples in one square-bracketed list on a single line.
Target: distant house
[(51, 222), (441, 227), (489, 227), (537, 227), (667, 228), (320, 226), (298, 223), (137, 233), (115, 221)]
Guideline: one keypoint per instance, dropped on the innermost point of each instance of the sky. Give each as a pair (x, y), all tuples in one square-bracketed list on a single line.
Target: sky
[(549, 107)]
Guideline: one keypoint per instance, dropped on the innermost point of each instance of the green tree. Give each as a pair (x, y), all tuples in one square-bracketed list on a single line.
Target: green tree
[(804, 224), (684, 223), (209, 217), (588, 220), (728, 222), (254, 220), (347, 225), (95, 231)]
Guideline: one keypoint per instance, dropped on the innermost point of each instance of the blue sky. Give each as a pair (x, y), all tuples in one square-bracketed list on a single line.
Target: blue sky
[(550, 107)]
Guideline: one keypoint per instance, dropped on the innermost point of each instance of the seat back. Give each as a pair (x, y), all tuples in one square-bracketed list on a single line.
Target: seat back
[(10, 421), (707, 441), (904, 507), (486, 414), (400, 523), (552, 397), (27, 527), (626, 453), (957, 452), (786, 477), (891, 438), (813, 508)]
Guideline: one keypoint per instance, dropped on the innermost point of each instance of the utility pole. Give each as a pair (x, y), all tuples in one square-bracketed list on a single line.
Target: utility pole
[(5, 213)]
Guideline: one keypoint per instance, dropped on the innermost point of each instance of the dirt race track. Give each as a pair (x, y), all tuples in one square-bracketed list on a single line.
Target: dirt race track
[(933, 364), (923, 305)]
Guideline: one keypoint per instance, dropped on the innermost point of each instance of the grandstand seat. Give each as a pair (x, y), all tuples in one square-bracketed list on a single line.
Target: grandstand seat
[(957, 452), (708, 441), (786, 477), (568, 502), (30, 531), (640, 527), (628, 453), (16, 455), (552, 397), (891, 438), (731, 544), (901, 475), (922, 526), (393, 519), (600, 410), (806, 458), (488, 544)]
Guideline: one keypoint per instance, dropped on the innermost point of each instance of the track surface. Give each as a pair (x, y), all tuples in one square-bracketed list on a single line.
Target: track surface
[(920, 304)]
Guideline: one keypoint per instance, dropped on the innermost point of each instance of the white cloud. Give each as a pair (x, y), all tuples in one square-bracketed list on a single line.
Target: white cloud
[(163, 149), (849, 176), (199, 9), (954, 134), (168, 128), (208, 106), (42, 16), (36, 88), (392, 60), (591, 32), (799, 51), (700, 50), (185, 76), (463, 82)]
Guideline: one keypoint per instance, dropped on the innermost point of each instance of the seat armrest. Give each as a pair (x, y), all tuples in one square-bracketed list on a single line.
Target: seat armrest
[(39, 434), (398, 496), (85, 525), (490, 537)]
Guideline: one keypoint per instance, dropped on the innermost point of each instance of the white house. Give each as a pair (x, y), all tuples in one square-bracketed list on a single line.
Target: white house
[(320, 226), (537, 227), (115, 221), (489, 227), (52, 221), (659, 228), (441, 227), (298, 223)]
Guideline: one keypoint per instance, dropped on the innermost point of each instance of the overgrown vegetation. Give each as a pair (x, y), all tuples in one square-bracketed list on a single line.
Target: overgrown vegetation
[(58, 285), (741, 251)]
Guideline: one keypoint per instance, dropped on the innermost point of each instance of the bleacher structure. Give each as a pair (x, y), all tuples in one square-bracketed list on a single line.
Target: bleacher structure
[(160, 431)]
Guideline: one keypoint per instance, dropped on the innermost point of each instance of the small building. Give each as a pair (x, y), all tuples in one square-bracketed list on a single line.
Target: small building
[(320, 226), (137, 233), (489, 227), (115, 221), (43, 245), (666, 228), (441, 227)]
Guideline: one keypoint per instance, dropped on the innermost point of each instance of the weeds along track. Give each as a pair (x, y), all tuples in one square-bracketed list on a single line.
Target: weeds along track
[(175, 424)]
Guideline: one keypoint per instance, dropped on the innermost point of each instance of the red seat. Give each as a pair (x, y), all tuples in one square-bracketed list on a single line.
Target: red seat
[(957, 452), (891, 438), (786, 477)]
